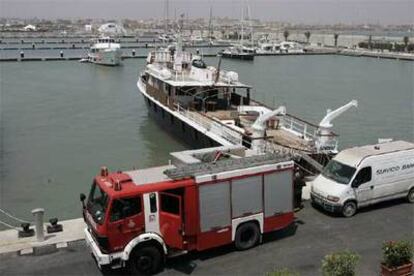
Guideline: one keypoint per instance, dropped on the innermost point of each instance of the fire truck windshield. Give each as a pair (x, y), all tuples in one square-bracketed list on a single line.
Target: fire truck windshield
[(97, 203)]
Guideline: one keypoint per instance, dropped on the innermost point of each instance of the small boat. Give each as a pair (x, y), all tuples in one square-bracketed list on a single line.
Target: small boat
[(83, 60), (238, 52), (285, 47), (291, 47), (241, 50), (106, 52)]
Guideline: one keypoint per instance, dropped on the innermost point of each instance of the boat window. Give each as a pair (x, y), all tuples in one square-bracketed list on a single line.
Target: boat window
[(125, 207), (338, 172)]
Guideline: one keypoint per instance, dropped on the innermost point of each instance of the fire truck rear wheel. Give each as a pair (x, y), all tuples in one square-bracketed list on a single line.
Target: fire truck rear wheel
[(247, 236), (145, 261)]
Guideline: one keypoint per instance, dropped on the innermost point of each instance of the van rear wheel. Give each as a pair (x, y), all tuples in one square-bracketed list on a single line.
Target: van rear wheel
[(410, 196), (247, 236), (349, 209)]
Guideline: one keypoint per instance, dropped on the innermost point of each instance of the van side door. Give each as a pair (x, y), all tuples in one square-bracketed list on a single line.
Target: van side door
[(363, 186)]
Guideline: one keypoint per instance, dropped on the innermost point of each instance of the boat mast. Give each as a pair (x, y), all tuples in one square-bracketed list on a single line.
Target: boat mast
[(166, 17), (250, 24), (210, 24), (241, 22)]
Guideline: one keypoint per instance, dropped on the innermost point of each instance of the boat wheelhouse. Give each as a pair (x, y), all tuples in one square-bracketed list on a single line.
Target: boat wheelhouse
[(207, 106)]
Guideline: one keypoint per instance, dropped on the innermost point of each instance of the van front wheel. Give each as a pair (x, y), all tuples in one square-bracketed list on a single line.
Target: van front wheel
[(349, 209), (410, 196)]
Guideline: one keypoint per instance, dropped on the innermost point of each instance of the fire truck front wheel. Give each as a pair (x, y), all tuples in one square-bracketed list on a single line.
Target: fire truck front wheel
[(146, 260), (247, 236)]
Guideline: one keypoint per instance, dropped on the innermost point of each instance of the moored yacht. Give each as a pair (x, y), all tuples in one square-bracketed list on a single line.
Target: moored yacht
[(105, 51), (239, 52), (207, 106), (274, 48)]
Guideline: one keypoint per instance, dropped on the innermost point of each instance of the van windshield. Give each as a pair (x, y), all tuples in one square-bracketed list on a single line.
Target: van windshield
[(338, 172), (97, 203)]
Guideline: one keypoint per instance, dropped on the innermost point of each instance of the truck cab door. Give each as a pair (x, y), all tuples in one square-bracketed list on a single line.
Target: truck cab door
[(363, 186), (171, 219), (126, 221)]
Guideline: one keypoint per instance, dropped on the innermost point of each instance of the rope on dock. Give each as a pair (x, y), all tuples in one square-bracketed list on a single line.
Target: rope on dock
[(13, 217), (9, 226)]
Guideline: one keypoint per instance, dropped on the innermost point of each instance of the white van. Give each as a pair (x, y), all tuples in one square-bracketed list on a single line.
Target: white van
[(361, 176)]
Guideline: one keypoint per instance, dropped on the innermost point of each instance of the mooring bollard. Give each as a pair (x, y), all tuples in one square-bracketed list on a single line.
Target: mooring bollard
[(38, 214), (61, 54)]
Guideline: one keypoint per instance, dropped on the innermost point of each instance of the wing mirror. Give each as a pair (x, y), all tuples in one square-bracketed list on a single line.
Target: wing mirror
[(82, 198)]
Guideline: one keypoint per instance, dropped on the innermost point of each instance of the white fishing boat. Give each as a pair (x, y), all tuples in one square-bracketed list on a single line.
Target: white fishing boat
[(291, 47), (105, 51), (206, 106), (274, 48)]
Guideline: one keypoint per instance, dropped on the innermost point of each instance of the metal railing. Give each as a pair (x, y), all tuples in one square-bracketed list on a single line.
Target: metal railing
[(216, 127), (306, 131)]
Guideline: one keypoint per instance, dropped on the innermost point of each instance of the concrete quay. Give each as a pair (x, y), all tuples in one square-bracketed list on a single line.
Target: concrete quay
[(11, 244), (299, 248), (14, 59), (375, 54)]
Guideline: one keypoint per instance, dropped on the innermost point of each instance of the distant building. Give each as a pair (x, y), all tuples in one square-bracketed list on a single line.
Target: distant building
[(88, 28), (29, 28), (111, 29)]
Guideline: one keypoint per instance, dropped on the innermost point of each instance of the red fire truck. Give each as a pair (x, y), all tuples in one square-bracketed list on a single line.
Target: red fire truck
[(139, 218)]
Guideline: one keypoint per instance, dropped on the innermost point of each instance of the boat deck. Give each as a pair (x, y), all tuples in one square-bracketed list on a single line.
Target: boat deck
[(278, 133)]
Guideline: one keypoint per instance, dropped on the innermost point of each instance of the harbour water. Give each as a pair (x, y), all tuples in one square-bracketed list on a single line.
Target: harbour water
[(60, 121)]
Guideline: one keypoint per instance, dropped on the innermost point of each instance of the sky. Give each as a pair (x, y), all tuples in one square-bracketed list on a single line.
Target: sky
[(295, 11)]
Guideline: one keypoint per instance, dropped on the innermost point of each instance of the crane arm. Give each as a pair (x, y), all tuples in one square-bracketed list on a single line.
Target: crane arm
[(326, 121), (260, 122)]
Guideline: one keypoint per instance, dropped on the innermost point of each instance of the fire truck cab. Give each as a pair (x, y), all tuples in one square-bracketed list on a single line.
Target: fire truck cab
[(138, 218)]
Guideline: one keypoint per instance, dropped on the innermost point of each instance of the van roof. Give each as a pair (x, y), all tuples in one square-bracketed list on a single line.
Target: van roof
[(353, 156)]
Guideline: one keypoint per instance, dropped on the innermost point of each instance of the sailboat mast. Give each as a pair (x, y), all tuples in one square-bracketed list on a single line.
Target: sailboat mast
[(250, 24), (241, 22), (210, 24)]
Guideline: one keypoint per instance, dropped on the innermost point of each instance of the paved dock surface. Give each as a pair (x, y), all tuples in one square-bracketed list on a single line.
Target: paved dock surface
[(300, 249), (72, 231)]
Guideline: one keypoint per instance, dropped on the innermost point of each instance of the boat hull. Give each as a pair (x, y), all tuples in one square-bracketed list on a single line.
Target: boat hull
[(181, 130), (238, 56), (107, 57)]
